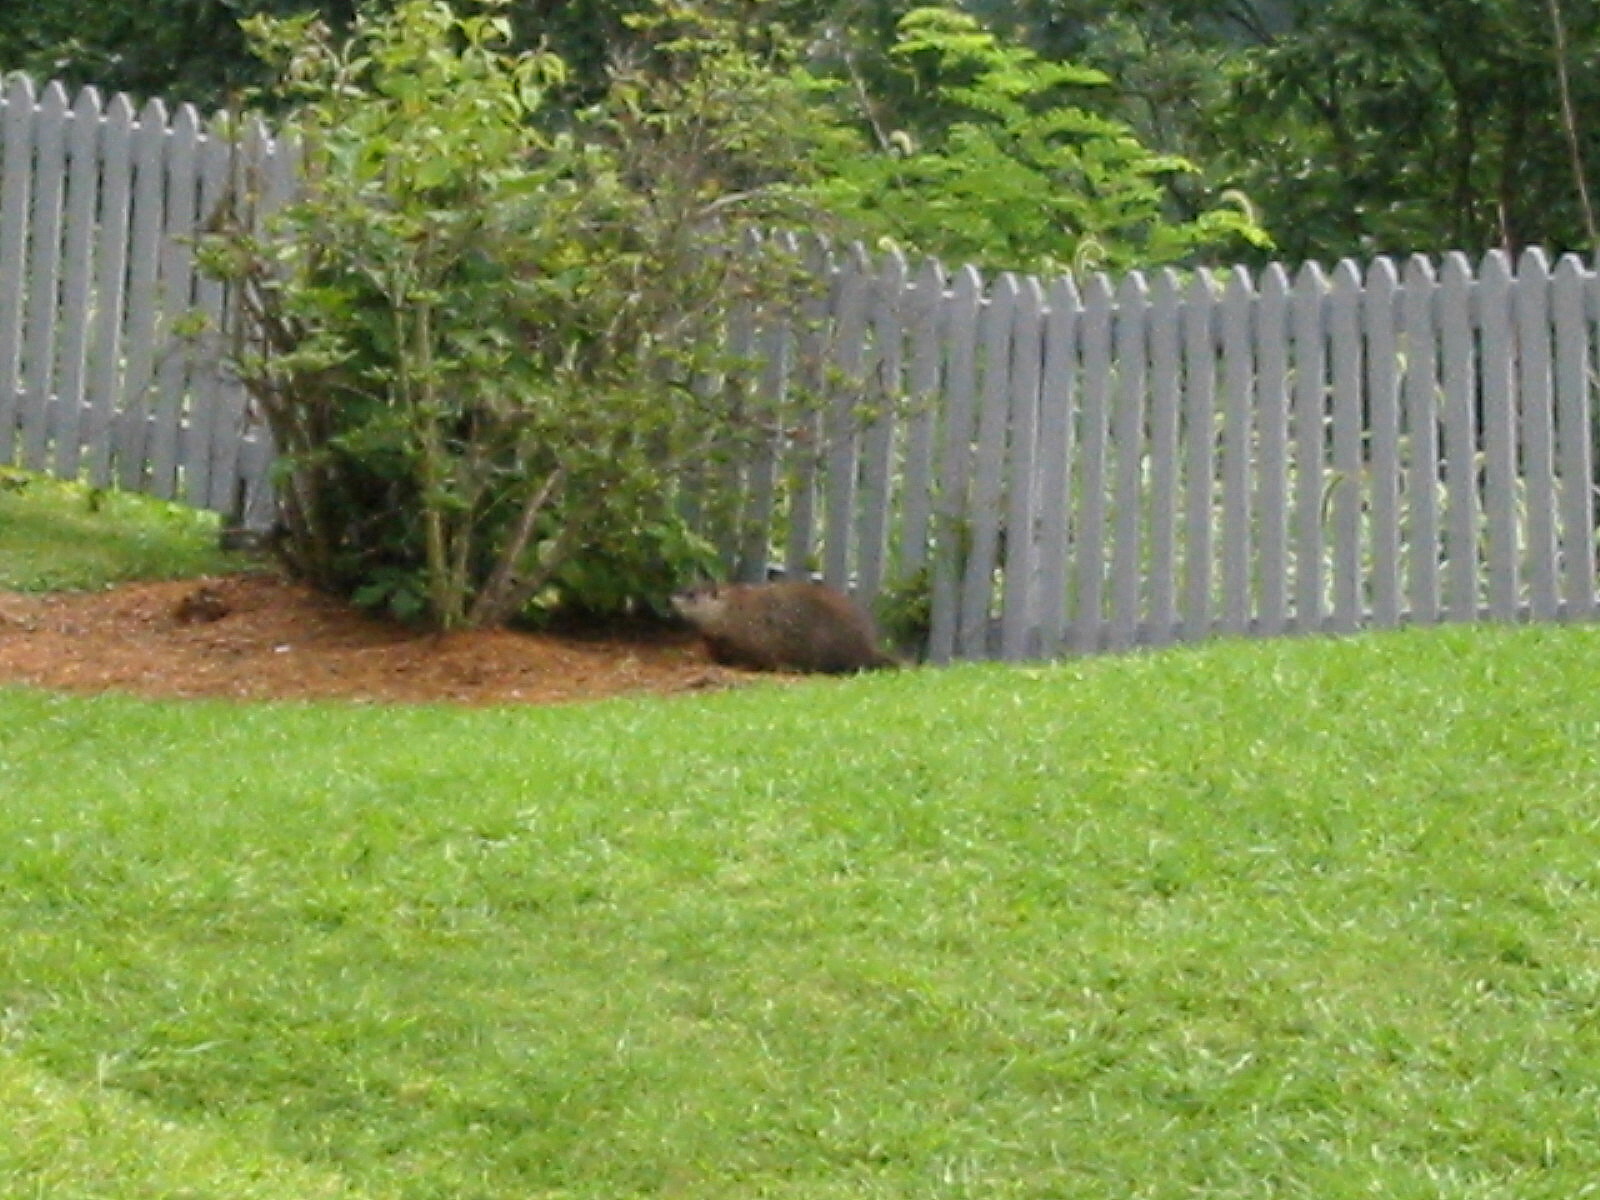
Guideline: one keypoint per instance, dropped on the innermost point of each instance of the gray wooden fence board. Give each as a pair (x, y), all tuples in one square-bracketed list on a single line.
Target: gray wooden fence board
[(1423, 587), (1019, 620), (1058, 394), (249, 159), (1309, 433), (1459, 376), (1238, 428), (16, 197), (1380, 321), (143, 300), (1272, 467), (1089, 546), (1574, 417), (111, 266), (761, 476), (1128, 454), (951, 533), (1166, 395), (842, 421), (987, 511), (1499, 484), (805, 447), (44, 277), (77, 300), (171, 401), (924, 309), (882, 393), (1344, 349), (1199, 366), (197, 457), (1531, 308)]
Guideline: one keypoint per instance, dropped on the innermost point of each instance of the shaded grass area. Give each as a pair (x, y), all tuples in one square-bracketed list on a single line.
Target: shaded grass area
[(56, 535), (1271, 919)]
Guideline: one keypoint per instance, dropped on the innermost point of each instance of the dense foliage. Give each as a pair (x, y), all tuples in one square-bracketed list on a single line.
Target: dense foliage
[(476, 336)]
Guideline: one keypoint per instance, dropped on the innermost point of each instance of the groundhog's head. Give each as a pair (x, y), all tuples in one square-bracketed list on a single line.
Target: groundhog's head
[(701, 605)]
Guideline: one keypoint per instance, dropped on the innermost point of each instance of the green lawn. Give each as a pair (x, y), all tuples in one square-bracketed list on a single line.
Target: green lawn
[(56, 535), (1299, 918)]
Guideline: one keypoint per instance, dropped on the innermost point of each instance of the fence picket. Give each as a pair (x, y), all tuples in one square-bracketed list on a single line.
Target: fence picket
[(1459, 377), (1238, 421), (1058, 394), (43, 278), (810, 378), (1019, 613), (1089, 547), (1423, 600), (1531, 305), (138, 377), (883, 398), (923, 312), (950, 531), (171, 402), (1498, 430), (985, 516), (1128, 453), (1272, 451), (77, 301), (1310, 410), (1344, 350), (841, 420), (206, 380), (1166, 394), (1380, 321), (111, 267), (16, 198), (1574, 417), (1199, 412)]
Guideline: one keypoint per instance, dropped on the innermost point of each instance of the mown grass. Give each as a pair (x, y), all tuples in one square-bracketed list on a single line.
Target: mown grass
[(57, 535), (1276, 919)]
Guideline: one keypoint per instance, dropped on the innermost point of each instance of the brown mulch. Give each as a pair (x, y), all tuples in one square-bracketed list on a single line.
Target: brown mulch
[(259, 636)]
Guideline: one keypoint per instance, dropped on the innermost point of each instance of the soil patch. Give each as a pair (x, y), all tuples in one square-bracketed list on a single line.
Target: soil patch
[(258, 636)]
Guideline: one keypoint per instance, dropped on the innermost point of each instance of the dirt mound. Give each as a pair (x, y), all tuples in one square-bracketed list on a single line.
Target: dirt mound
[(258, 636)]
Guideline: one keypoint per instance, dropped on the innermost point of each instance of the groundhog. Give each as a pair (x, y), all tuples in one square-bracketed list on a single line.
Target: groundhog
[(786, 626)]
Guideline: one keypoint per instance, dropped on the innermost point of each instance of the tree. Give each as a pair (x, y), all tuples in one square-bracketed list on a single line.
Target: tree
[(1006, 162)]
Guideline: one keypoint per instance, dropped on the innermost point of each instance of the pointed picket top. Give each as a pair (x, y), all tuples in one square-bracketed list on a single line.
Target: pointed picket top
[(1346, 276), (1098, 293), (1493, 272), (1455, 269), (154, 113), (1133, 290), (20, 93), (1533, 262), (120, 110), (968, 284), (1165, 287), (1310, 278), (1381, 272), (55, 99), (87, 106), (929, 279), (1274, 280), (1203, 288)]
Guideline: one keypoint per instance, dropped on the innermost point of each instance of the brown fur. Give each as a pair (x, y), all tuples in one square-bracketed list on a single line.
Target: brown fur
[(785, 626)]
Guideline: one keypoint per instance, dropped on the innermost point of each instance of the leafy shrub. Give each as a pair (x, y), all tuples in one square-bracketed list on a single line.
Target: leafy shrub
[(480, 330)]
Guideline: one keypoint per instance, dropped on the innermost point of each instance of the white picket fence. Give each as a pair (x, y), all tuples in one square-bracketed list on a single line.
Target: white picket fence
[(100, 377), (1057, 469), (1173, 457)]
